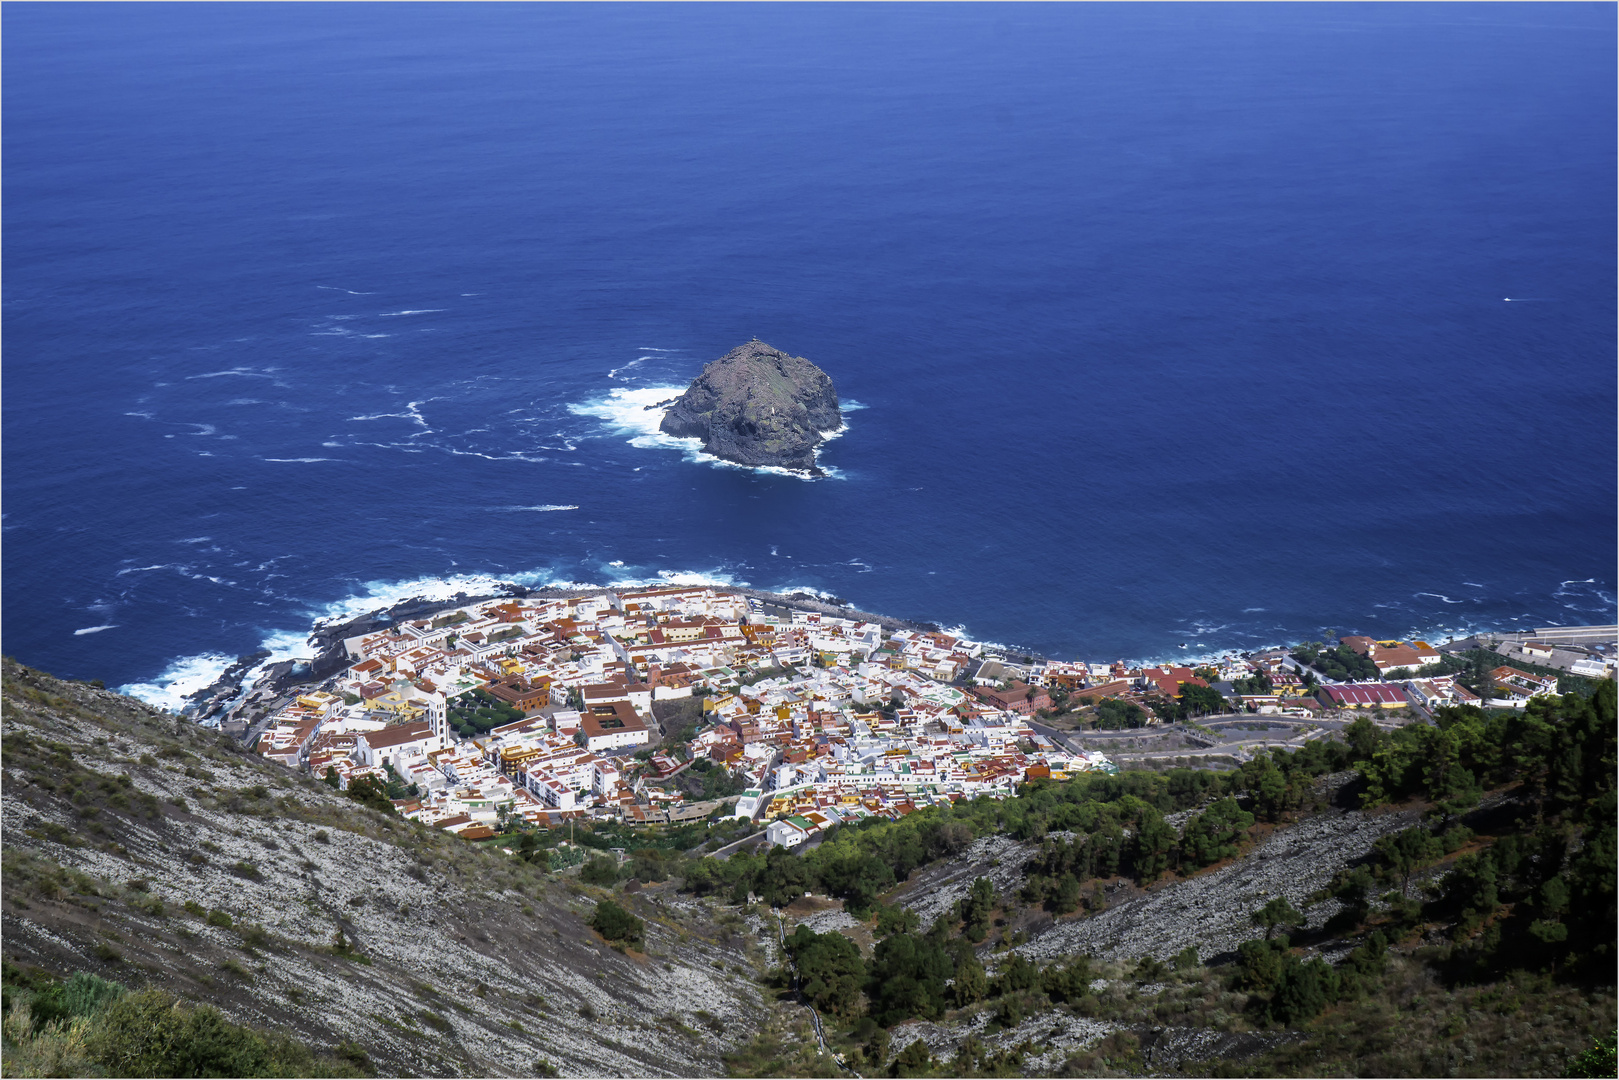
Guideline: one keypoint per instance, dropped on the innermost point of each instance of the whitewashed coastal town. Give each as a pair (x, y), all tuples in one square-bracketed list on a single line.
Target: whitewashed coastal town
[(548, 710), (655, 706)]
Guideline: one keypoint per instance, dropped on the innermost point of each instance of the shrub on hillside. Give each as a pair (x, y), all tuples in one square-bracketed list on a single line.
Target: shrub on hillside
[(599, 871), (151, 1033), (617, 925)]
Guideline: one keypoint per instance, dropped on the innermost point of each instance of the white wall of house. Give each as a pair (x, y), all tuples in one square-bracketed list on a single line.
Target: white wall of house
[(785, 834), (613, 740)]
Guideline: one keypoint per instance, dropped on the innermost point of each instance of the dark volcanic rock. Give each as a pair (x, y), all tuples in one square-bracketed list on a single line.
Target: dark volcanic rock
[(758, 406)]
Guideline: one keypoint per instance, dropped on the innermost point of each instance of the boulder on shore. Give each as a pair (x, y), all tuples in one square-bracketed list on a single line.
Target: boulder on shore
[(758, 406)]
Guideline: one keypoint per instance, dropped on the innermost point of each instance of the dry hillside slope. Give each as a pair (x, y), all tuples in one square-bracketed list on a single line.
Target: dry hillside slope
[(132, 838)]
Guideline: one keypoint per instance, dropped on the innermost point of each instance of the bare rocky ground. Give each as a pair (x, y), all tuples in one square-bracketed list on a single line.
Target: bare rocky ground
[(935, 889), (1211, 911), (1055, 1037), (455, 961)]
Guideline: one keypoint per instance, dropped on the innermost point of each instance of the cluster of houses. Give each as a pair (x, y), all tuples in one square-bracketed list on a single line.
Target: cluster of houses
[(1289, 696), (1509, 687), (820, 718), (814, 714)]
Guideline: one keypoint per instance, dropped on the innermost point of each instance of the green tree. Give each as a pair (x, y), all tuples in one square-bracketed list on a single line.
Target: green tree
[(893, 919), (615, 924), (830, 970), (1069, 894), (1214, 834), (976, 909), (1018, 975), (1201, 699), (914, 1060), (1155, 843), (371, 792), (1259, 962), (971, 984), (1599, 1059), (1068, 982), (600, 870), (1408, 850), (907, 978), (1115, 713), (1277, 912), (1303, 990), (874, 1051)]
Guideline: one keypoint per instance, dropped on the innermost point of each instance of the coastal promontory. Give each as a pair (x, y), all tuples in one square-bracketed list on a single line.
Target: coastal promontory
[(758, 406)]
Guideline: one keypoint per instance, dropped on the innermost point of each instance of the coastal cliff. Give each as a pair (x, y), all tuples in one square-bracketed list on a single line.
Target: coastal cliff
[(758, 406)]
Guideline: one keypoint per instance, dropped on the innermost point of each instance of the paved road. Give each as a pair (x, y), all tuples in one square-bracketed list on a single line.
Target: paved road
[(1065, 739), (734, 845)]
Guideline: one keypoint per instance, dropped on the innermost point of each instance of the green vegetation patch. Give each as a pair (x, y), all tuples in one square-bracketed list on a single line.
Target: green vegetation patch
[(89, 1026)]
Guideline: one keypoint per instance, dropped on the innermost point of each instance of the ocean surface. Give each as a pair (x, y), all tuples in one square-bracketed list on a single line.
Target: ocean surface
[(1158, 325)]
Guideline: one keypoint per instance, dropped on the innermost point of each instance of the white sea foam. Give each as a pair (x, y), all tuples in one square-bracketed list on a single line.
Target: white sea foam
[(413, 413), (515, 455), (241, 372), (633, 412), (852, 405), (142, 415), (306, 460), (351, 292), (1586, 596), (819, 594), (94, 629), (140, 569), (285, 645), (694, 577), (537, 509), (195, 540), (416, 311), (1441, 596), (183, 677)]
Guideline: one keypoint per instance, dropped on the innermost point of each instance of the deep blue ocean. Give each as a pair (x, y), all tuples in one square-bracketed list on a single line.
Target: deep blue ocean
[(1169, 324)]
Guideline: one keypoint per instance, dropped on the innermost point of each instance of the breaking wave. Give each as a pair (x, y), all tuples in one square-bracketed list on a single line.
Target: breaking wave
[(638, 412)]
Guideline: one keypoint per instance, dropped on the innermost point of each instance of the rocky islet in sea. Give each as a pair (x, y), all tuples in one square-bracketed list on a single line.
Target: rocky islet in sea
[(760, 407)]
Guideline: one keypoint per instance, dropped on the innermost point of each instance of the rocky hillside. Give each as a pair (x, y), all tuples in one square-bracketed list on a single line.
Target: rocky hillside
[(142, 849), (146, 850), (758, 406)]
